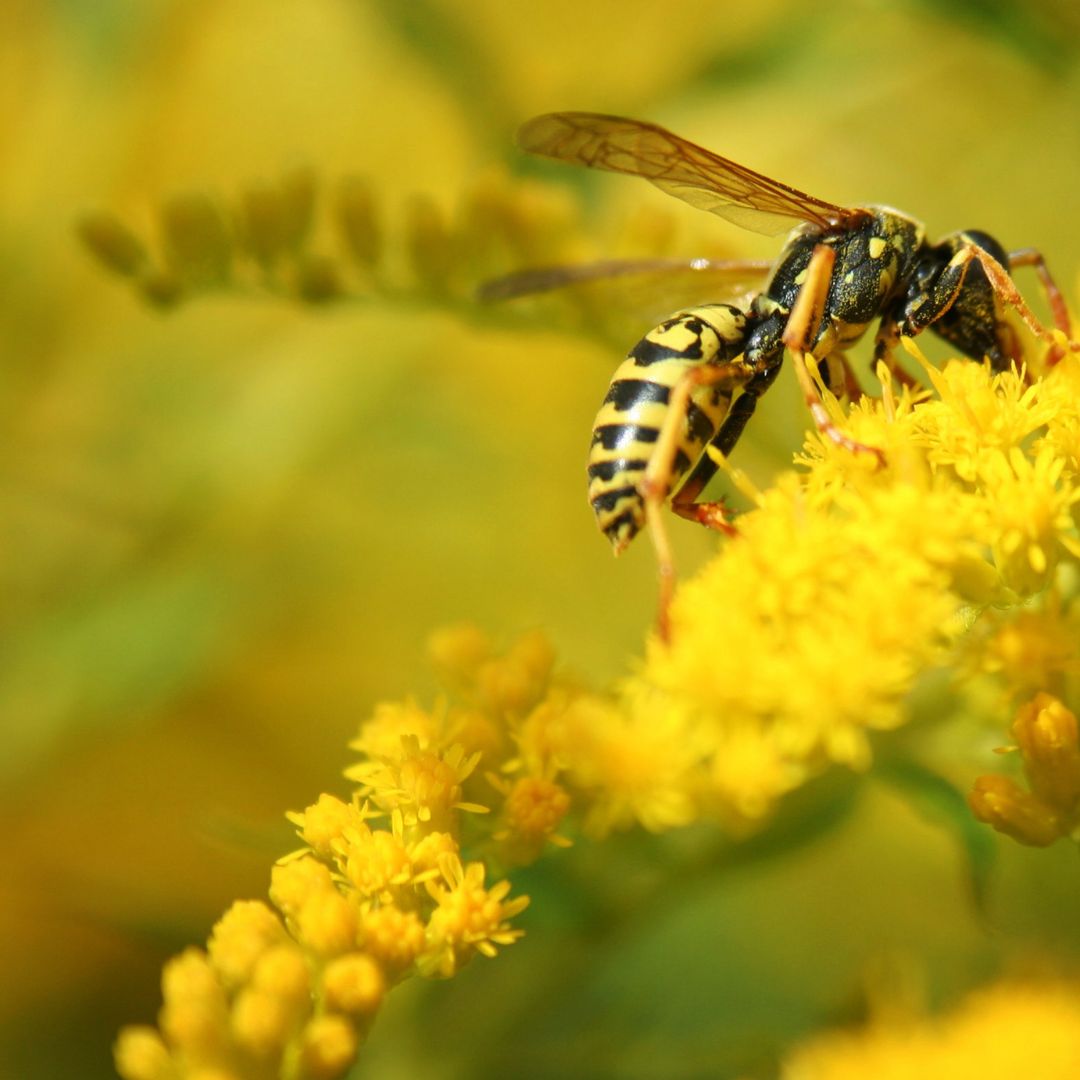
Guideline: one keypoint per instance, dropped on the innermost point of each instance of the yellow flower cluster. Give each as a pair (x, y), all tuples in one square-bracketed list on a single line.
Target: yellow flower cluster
[(382, 889), (805, 634), (1000, 1033), (808, 631)]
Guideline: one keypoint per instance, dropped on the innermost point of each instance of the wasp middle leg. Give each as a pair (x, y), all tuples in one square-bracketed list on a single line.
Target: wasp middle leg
[(885, 343)]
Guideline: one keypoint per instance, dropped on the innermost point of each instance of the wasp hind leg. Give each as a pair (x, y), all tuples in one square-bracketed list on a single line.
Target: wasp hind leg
[(715, 515), (656, 482), (802, 324)]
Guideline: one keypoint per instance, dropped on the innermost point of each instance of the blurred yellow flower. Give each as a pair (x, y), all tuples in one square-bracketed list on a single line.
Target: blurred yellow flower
[(1008, 1030), (1047, 738), (249, 513)]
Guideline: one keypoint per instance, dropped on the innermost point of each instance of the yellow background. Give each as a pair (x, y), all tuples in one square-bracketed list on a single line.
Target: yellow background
[(226, 531)]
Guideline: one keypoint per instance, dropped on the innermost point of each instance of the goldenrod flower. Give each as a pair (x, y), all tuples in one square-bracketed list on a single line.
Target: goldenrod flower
[(379, 891), (800, 642), (533, 808), (424, 786), (268, 240), (354, 984), (808, 631), (328, 1046), (633, 764), (241, 938), (1047, 739), (1007, 1031), (394, 937), (468, 918)]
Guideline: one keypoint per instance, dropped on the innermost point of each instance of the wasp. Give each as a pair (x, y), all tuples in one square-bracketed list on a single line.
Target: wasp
[(692, 383)]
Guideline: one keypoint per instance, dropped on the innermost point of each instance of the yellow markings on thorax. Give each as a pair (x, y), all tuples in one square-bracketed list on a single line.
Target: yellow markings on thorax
[(876, 247)]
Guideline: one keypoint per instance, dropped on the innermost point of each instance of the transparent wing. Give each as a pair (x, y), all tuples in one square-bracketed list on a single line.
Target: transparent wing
[(681, 168), (616, 299), (715, 278)]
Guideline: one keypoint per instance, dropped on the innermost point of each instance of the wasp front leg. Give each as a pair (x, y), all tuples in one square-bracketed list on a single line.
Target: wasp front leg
[(961, 302), (1033, 257), (1004, 287), (799, 334)]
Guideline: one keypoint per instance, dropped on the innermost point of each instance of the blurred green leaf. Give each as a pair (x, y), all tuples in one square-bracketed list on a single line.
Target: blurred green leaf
[(942, 803)]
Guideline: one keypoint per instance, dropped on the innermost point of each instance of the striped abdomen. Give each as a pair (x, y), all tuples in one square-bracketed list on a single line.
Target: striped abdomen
[(629, 422)]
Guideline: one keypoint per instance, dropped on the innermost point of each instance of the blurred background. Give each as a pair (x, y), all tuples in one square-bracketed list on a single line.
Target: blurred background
[(227, 529)]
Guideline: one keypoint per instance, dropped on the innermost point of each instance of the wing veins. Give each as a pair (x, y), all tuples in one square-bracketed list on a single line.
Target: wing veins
[(681, 168)]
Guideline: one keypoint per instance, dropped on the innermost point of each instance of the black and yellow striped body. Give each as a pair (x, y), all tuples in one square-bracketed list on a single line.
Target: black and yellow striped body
[(632, 415)]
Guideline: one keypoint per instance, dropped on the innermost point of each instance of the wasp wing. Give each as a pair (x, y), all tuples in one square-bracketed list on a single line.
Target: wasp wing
[(615, 299), (681, 168), (716, 278)]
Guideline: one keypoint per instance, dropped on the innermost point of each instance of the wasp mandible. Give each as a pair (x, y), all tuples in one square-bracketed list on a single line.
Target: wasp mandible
[(693, 382)]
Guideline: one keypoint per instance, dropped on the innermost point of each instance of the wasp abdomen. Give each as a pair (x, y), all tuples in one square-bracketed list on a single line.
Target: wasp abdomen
[(629, 422)]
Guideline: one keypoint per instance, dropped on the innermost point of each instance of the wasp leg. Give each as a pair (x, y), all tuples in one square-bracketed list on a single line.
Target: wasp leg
[(1033, 257), (1003, 285), (656, 481), (888, 337), (714, 514), (849, 381), (801, 328)]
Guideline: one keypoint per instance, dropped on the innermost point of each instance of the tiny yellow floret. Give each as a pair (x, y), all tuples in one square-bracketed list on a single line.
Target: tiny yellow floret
[(140, 1054), (328, 1047), (261, 1023), (241, 937), (353, 984), (394, 938), (327, 923)]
